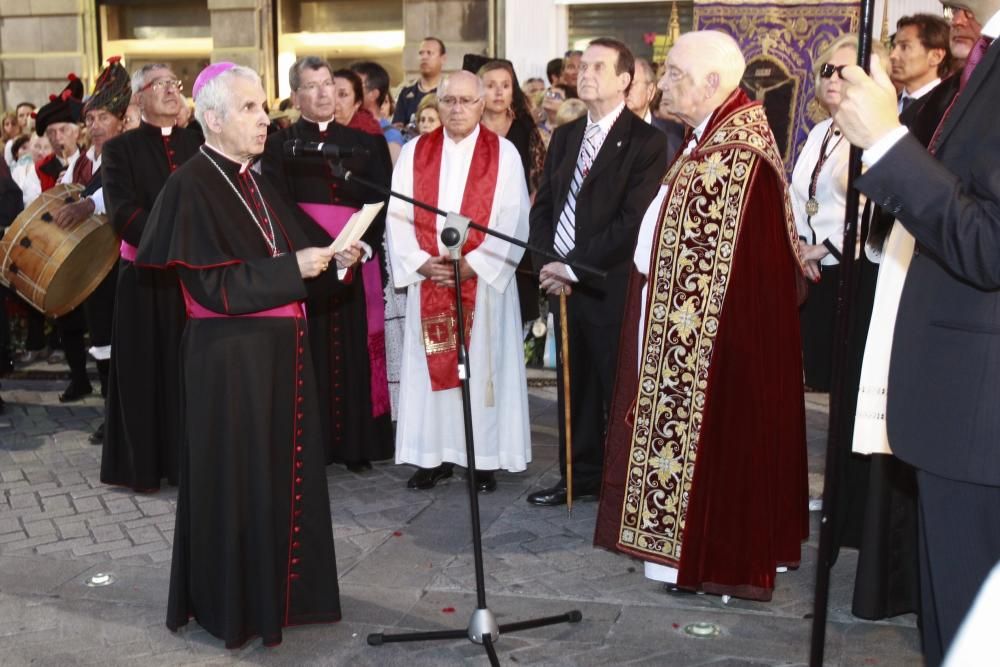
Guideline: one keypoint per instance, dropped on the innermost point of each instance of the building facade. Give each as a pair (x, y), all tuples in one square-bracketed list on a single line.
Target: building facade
[(43, 40)]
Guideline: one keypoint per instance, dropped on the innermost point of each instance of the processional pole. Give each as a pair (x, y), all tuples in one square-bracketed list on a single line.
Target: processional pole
[(840, 393)]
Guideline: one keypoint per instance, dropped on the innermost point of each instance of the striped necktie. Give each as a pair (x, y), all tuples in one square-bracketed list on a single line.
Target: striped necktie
[(566, 229)]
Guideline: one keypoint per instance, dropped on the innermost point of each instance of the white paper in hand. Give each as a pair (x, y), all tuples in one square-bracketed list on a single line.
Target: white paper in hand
[(356, 226)]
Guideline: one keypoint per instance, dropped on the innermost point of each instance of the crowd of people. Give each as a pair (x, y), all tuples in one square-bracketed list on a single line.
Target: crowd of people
[(236, 365)]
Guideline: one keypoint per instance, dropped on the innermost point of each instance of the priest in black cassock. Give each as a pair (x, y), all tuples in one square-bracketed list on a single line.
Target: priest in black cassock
[(142, 411), (253, 544), (348, 328)]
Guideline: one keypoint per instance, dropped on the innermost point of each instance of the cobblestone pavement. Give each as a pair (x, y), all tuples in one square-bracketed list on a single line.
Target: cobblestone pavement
[(404, 561)]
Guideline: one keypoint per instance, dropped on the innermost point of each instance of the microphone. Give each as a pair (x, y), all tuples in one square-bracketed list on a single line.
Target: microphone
[(456, 229), (296, 148)]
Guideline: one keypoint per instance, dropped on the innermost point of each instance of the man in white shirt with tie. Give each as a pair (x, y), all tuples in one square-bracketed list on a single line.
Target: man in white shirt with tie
[(601, 171), (920, 56), (943, 386)]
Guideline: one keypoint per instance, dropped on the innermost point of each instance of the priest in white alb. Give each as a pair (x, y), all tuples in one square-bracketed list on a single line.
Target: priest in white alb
[(465, 168)]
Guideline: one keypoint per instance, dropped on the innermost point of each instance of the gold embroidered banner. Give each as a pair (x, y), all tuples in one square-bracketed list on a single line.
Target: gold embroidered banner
[(780, 43)]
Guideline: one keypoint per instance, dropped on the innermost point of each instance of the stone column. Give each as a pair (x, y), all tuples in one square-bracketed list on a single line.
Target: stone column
[(463, 26), (41, 41), (241, 33)]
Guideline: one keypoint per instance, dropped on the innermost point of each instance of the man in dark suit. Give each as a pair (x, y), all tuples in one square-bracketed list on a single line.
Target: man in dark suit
[(600, 174), (943, 378)]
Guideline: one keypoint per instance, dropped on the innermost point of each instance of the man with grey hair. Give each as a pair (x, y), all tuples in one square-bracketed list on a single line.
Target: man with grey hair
[(253, 544), (706, 467), (463, 167), (142, 409)]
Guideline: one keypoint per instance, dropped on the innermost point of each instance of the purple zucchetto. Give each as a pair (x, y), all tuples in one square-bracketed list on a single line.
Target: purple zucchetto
[(209, 73)]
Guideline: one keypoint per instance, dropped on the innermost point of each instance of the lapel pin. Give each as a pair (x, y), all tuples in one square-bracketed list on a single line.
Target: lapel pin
[(619, 144)]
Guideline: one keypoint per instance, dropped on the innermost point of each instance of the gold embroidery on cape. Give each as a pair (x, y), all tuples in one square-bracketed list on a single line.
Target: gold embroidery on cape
[(688, 276)]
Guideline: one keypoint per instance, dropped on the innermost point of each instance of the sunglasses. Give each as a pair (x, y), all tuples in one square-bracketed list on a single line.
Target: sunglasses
[(827, 71)]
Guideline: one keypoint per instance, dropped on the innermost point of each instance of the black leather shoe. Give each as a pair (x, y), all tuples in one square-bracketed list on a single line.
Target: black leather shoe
[(486, 481), (427, 478), (556, 495), (359, 467), (97, 437), (75, 392)]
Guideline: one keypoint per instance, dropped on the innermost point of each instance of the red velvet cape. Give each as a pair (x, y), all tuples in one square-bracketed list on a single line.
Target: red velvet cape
[(747, 506)]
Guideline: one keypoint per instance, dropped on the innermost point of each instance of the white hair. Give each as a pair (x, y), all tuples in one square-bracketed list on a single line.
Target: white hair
[(718, 53), (480, 86), (139, 76), (215, 95)]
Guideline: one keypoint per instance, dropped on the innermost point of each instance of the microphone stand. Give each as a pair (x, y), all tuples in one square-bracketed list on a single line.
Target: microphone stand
[(483, 627)]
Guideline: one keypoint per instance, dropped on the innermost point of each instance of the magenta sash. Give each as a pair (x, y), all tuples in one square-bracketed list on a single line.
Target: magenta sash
[(196, 311), (128, 251), (332, 219)]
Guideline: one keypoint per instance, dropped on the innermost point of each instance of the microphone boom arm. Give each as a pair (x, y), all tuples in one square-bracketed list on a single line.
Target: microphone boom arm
[(452, 221)]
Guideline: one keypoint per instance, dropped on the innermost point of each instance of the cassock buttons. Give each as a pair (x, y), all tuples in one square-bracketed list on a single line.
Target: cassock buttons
[(298, 480), (296, 544), (295, 561), (296, 530), (298, 448), (298, 497), (293, 576), (298, 464)]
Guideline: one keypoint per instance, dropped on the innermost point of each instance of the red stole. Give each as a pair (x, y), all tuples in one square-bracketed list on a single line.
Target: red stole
[(438, 314)]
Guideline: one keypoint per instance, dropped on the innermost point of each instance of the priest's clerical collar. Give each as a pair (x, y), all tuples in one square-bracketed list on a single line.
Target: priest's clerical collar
[(321, 125), (242, 164), (164, 131)]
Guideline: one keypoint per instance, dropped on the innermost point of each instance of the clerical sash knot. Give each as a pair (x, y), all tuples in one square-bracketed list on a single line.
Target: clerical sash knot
[(566, 229)]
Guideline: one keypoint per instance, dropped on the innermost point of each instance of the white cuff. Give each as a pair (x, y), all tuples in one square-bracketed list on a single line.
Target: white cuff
[(569, 272), (872, 155)]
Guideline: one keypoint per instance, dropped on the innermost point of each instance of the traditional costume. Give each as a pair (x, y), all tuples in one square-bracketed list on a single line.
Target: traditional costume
[(253, 545), (706, 460), (348, 328), (66, 107), (480, 177), (142, 413), (112, 93)]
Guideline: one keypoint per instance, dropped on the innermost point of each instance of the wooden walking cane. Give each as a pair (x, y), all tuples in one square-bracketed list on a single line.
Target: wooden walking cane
[(567, 425)]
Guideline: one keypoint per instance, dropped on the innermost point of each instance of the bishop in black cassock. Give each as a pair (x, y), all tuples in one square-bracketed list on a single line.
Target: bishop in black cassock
[(142, 410), (253, 545)]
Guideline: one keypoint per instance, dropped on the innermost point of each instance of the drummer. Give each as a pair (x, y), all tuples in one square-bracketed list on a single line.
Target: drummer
[(102, 114)]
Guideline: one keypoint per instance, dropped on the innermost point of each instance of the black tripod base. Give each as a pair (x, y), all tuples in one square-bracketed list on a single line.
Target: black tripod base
[(482, 630)]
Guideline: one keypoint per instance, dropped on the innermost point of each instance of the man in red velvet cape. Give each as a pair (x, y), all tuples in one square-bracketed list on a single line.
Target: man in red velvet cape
[(705, 477)]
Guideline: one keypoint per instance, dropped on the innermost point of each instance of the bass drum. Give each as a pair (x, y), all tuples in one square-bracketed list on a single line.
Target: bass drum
[(55, 269)]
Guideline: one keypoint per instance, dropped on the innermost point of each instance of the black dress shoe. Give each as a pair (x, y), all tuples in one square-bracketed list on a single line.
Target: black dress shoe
[(556, 495), (97, 437), (74, 392), (359, 467), (486, 481), (427, 478)]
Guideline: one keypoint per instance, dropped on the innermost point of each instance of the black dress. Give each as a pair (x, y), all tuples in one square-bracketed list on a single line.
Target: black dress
[(356, 428), (142, 407), (876, 509), (524, 135), (253, 544)]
